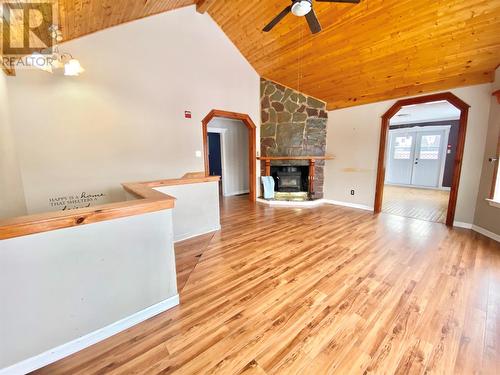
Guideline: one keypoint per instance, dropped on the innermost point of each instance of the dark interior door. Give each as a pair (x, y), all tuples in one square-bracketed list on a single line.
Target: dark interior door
[(214, 154)]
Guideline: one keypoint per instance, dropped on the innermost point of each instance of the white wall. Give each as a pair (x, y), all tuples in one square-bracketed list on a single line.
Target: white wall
[(425, 112), (58, 286), (353, 137), (123, 119), (196, 208), (235, 165), (12, 201), (488, 216)]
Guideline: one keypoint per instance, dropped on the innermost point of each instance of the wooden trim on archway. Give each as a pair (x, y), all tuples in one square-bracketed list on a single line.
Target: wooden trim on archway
[(464, 113), (251, 144)]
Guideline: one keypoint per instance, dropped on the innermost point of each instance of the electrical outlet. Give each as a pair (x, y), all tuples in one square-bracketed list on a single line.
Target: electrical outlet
[(352, 192)]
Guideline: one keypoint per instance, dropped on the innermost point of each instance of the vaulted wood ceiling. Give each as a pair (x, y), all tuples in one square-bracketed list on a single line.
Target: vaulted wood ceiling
[(376, 50), (81, 17)]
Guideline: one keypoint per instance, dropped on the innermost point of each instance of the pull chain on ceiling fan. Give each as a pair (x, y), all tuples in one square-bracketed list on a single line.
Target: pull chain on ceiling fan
[(302, 8)]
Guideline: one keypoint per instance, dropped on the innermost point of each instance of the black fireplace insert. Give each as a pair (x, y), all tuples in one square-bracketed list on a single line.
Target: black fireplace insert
[(290, 178)]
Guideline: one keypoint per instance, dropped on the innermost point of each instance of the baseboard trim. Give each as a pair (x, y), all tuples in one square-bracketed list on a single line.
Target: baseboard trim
[(303, 204), (486, 232), (64, 350), (350, 205), (233, 193), (315, 203), (477, 229), (461, 224), (191, 235), (420, 187)]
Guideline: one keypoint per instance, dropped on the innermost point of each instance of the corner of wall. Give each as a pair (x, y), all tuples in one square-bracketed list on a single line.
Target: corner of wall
[(485, 215), (12, 200)]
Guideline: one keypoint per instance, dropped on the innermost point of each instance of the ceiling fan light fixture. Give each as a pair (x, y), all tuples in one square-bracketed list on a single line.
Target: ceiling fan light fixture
[(301, 8), (73, 68)]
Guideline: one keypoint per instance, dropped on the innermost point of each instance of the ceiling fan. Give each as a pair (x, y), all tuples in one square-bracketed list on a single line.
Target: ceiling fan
[(301, 8)]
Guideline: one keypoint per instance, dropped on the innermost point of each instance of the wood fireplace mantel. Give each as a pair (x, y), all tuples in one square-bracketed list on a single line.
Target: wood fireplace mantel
[(325, 157), (312, 163)]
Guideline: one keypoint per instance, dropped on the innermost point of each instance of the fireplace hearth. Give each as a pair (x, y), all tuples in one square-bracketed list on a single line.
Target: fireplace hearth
[(294, 176)]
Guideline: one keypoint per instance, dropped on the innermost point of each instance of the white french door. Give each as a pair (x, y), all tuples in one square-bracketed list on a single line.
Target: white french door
[(416, 156), (400, 158), (428, 158)]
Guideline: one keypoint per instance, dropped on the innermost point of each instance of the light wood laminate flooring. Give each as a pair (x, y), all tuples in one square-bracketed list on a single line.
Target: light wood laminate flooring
[(328, 290), (423, 204)]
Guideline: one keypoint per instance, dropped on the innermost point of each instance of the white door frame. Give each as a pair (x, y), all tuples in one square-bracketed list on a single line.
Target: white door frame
[(417, 129), (222, 133)]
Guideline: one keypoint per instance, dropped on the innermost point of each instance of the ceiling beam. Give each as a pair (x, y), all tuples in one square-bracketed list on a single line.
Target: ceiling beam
[(203, 5)]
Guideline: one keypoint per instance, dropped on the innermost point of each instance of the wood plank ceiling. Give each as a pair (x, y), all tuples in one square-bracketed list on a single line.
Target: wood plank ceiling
[(82, 17), (376, 50), (373, 51)]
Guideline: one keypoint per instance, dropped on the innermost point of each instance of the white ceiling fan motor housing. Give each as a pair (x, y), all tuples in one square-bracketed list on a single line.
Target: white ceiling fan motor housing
[(301, 8)]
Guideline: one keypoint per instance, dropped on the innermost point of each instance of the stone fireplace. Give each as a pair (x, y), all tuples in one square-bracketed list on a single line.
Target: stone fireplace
[(293, 125)]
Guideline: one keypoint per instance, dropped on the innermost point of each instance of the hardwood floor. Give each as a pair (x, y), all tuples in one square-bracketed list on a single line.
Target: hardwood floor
[(187, 255), (423, 204), (320, 291)]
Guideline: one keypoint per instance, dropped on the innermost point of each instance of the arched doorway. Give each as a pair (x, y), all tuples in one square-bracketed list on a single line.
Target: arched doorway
[(247, 121), (464, 112)]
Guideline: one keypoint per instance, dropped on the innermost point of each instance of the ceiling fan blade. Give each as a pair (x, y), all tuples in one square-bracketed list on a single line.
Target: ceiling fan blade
[(339, 1), (277, 19), (313, 22)]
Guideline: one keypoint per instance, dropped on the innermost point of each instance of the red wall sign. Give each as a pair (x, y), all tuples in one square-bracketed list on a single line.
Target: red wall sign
[(187, 114)]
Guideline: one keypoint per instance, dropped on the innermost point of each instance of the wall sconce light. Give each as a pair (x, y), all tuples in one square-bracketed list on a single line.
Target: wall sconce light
[(56, 59)]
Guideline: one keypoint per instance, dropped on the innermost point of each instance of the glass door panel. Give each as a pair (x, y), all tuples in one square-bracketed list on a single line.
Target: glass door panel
[(428, 158), (400, 158)]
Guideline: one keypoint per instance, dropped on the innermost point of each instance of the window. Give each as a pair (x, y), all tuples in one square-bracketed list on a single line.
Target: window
[(402, 147), (429, 147)]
